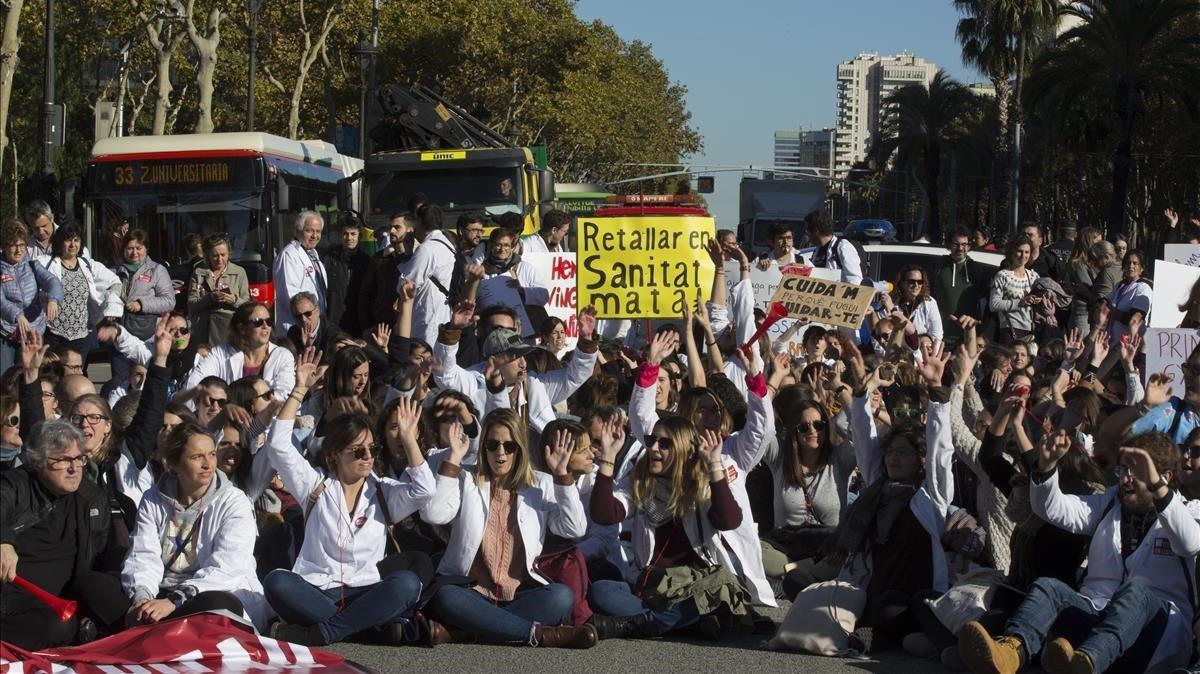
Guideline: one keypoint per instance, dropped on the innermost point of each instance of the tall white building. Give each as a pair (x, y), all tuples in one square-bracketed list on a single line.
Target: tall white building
[(804, 148), (863, 83)]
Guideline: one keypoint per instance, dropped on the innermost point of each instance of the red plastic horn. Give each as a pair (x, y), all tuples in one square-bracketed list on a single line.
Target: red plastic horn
[(64, 607), (777, 312)]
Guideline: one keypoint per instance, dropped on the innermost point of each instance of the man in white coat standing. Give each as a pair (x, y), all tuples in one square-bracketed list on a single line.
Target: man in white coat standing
[(430, 269), (299, 269)]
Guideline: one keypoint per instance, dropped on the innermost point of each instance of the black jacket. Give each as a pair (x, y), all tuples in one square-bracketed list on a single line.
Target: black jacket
[(354, 265), (327, 333), (24, 502)]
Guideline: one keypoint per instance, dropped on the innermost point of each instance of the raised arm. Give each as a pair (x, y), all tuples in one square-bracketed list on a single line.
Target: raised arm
[(746, 447), (568, 518), (939, 446), (415, 489), (561, 383), (142, 434), (297, 474), (447, 495)]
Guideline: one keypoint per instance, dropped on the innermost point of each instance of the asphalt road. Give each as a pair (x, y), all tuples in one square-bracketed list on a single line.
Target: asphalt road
[(736, 653)]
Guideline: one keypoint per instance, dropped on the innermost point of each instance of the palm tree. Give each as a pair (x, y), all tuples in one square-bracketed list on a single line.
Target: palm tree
[(997, 37), (1124, 54), (920, 123)]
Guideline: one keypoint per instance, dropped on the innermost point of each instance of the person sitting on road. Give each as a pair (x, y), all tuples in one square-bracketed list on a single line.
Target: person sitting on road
[(248, 351)]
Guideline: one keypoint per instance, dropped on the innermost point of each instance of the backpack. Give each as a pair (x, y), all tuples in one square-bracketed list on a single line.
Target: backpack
[(458, 278), (835, 256)]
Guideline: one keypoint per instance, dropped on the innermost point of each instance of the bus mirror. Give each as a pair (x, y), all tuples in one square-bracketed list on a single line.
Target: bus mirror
[(281, 196), (345, 194), (70, 192), (545, 183)]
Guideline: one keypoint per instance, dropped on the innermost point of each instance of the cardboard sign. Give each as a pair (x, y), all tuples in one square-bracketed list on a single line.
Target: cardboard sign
[(1166, 351), (1181, 253), (766, 281), (1173, 284), (644, 266), (827, 302), (561, 270)]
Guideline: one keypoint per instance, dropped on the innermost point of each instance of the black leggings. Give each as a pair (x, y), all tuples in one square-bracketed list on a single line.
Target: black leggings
[(212, 600)]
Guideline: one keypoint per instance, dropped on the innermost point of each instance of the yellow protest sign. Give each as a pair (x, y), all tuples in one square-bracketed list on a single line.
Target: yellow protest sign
[(645, 266), (820, 301)]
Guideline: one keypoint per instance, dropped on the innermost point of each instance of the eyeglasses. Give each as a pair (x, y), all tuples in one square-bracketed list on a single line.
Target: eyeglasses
[(507, 446), (73, 367), (363, 451), (810, 426), (663, 442), (62, 462), (915, 281), (217, 402), (1121, 470), (960, 244), (260, 322), (13, 421), (91, 419), (306, 314), (182, 330)]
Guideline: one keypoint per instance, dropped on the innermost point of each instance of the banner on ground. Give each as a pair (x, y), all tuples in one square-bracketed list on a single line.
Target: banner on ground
[(644, 266), (1166, 351), (560, 269), (205, 642), (833, 303), (1182, 253), (1173, 284)]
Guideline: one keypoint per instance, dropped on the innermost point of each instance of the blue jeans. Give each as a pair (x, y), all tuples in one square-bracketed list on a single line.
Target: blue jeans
[(298, 602), (614, 598), (503, 623), (1125, 633)]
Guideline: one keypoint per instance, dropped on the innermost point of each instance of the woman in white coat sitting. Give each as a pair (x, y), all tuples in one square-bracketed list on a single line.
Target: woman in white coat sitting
[(335, 589), (911, 298), (502, 511), (249, 351), (682, 506), (191, 542)]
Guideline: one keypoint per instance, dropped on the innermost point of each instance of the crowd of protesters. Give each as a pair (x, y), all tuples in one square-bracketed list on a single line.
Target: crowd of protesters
[(412, 453)]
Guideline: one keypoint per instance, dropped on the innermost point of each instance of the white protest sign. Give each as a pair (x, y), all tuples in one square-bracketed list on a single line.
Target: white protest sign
[(559, 268), (1182, 253), (765, 281), (1167, 349), (1172, 285)]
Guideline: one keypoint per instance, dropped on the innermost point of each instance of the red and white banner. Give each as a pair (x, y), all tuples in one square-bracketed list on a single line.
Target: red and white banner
[(559, 269), (206, 642)]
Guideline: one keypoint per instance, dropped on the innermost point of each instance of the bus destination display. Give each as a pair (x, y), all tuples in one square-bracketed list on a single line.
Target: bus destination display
[(165, 174)]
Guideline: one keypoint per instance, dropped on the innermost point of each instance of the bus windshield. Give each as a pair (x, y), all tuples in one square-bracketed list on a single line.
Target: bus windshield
[(169, 217), (495, 190)]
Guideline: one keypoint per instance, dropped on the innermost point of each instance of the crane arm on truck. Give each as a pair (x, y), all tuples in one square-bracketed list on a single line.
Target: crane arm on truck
[(418, 118)]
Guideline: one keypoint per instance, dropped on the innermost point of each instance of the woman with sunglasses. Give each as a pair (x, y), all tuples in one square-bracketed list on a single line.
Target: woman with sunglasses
[(683, 514), (745, 447), (190, 545), (185, 351), (249, 351), (911, 298), (10, 432), (502, 512), (335, 588)]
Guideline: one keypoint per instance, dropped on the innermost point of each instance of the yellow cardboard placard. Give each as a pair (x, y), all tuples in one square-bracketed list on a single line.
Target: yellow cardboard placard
[(833, 303), (646, 266)]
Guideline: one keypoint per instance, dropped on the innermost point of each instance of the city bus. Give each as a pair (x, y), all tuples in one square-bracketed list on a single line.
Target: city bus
[(246, 185)]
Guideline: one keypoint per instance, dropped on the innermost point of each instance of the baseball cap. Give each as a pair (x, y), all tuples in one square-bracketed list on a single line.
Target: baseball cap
[(503, 340)]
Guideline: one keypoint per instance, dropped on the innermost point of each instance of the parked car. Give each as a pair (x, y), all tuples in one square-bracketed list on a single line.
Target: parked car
[(885, 260)]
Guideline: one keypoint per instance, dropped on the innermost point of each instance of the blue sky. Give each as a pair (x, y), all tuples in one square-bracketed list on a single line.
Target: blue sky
[(756, 66)]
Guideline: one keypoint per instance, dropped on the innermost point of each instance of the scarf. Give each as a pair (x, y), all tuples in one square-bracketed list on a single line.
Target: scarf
[(494, 266), (871, 517), (131, 268), (657, 508)]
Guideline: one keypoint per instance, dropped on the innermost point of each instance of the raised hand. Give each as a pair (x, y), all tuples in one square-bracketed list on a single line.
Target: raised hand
[(162, 339), (1100, 349), (464, 314), (997, 380), (1157, 390), (1140, 464), (1171, 216), (1054, 447), (879, 378), (459, 443), (715, 253), (491, 373), (1074, 345), (934, 364), (735, 251), (33, 354), (408, 291), (407, 416), (558, 453), (612, 438), (1129, 350), (710, 449), (238, 416), (308, 369), (382, 336), (749, 361), (587, 323), (963, 364), (664, 343)]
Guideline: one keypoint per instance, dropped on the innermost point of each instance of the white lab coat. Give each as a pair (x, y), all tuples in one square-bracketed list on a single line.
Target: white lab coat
[(104, 288), (224, 544), (544, 506), (494, 290), (342, 548), (545, 390), (226, 362), (534, 243), (296, 272), (434, 259), (742, 451), (1164, 563), (932, 500)]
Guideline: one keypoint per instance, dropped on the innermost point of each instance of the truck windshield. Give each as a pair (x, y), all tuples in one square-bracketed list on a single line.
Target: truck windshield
[(168, 217), (493, 189)]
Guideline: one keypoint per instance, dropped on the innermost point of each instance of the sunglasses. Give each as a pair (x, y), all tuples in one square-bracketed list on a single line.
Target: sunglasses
[(914, 281), (260, 322), (507, 446), (306, 314), (1194, 451), (219, 402), (906, 412), (182, 330), (663, 442), (810, 426), (363, 451), (266, 397), (13, 421)]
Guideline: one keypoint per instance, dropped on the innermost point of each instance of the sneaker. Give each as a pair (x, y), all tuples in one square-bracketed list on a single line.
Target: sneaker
[(984, 655), (1060, 657), (918, 645), (87, 632), (305, 635), (862, 640)]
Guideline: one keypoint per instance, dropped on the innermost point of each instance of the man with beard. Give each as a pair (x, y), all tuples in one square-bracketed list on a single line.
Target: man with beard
[(960, 285)]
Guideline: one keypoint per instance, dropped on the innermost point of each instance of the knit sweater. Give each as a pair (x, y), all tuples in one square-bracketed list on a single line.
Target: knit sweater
[(1007, 299), (991, 503)]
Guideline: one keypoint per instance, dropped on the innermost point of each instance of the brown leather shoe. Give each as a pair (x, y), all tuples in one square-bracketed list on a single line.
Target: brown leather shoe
[(583, 636), (985, 655), (441, 633)]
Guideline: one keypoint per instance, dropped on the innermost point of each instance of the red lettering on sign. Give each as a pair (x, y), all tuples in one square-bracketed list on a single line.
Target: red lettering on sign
[(562, 269), (563, 297)]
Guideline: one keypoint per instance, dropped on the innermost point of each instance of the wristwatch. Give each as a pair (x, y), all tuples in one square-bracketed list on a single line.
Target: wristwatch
[(1161, 484)]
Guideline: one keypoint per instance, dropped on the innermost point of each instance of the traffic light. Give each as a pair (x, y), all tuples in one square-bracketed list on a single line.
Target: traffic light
[(705, 184)]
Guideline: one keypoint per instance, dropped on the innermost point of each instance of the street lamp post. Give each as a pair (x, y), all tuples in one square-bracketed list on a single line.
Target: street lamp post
[(49, 113), (365, 51), (252, 6)]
